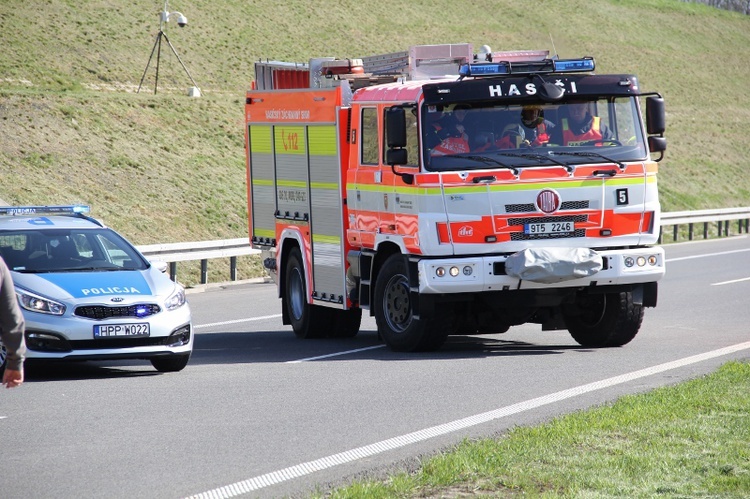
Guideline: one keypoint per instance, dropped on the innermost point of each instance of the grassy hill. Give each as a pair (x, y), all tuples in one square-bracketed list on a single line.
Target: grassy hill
[(168, 168)]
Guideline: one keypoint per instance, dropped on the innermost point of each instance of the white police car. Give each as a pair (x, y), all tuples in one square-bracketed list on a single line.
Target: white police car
[(88, 294)]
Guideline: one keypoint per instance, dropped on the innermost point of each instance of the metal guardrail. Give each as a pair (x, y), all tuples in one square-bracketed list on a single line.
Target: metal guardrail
[(232, 248), (200, 250), (722, 217)]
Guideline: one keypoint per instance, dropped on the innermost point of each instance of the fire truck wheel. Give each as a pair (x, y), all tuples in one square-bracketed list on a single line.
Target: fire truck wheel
[(308, 321), (346, 323), (398, 327), (607, 320)]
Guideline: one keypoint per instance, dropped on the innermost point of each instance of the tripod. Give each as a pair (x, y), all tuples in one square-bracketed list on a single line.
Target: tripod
[(157, 49)]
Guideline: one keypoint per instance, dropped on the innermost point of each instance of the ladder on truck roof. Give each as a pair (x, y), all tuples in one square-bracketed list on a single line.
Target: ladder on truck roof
[(420, 62)]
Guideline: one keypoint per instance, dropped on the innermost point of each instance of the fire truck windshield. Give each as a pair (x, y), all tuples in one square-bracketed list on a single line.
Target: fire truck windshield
[(467, 136)]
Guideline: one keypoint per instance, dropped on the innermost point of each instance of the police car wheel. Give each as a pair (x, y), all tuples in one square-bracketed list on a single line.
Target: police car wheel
[(171, 363), (398, 327), (308, 321), (606, 320)]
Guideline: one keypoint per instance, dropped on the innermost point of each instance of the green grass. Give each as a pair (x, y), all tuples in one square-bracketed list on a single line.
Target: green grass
[(689, 440)]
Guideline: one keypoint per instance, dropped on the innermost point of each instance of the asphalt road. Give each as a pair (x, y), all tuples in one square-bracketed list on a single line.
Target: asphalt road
[(260, 411)]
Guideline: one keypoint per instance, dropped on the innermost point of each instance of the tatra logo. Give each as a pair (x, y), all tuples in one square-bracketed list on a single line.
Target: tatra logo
[(117, 300), (548, 201), (465, 231)]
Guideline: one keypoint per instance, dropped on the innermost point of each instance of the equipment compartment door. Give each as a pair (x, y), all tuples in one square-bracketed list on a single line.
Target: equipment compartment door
[(326, 223)]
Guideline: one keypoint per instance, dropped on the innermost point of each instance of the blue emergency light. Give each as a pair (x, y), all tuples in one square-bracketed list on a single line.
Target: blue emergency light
[(33, 210), (574, 65), (585, 64)]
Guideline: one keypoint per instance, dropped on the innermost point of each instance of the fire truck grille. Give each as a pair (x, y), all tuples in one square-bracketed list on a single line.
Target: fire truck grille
[(102, 312), (541, 220), (520, 236), (529, 207)]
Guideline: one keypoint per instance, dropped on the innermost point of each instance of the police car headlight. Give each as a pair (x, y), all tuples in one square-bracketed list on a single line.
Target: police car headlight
[(176, 299), (36, 303)]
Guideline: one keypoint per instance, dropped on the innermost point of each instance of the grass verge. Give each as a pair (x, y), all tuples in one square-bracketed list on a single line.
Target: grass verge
[(688, 440)]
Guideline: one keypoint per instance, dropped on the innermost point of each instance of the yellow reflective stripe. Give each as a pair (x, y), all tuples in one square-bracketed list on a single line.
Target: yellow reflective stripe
[(289, 139), (263, 182), (292, 183), (324, 185), (568, 184), (322, 140), (260, 138), (318, 238), (264, 233)]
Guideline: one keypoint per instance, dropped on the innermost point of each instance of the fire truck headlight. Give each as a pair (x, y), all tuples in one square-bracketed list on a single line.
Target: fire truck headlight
[(629, 262), (454, 271), (440, 271), (641, 261), (468, 270), (652, 260)]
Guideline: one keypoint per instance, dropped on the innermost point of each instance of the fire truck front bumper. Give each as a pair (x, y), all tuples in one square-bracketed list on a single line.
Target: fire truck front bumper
[(488, 273)]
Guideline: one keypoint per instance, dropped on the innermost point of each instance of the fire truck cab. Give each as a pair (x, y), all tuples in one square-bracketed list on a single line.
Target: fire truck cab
[(453, 193)]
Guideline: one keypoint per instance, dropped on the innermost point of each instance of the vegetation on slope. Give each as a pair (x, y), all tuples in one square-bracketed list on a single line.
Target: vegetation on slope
[(165, 167)]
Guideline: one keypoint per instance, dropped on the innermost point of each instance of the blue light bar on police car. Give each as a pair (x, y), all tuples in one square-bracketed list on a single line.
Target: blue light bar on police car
[(574, 65), (32, 210)]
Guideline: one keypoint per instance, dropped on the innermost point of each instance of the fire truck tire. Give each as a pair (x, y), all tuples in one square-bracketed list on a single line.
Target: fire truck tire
[(398, 327), (308, 321), (346, 323), (608, 320)]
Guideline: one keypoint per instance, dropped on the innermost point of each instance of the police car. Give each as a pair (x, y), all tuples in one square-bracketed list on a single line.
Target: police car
[(88, 294)]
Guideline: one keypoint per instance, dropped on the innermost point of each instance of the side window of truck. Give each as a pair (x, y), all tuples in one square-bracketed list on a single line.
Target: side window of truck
[(368, 142), (412, 138)]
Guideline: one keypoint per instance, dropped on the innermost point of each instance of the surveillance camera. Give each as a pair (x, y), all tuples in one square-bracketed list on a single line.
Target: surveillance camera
[(182, 21)]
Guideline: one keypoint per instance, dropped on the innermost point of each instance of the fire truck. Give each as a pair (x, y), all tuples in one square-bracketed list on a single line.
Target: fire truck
[(454, 193)]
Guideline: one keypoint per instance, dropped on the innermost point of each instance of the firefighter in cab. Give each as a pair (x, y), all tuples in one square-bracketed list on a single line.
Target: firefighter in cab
[(537, 130), (447, 133), (581, 127)]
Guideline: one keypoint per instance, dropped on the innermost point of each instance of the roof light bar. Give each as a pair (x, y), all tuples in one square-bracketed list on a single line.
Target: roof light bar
[(585, 64), (32, 210), (574, 65)]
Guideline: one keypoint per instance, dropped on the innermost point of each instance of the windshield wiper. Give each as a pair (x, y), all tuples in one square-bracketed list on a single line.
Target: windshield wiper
[(484, 159), (592, 155), (538, 157)]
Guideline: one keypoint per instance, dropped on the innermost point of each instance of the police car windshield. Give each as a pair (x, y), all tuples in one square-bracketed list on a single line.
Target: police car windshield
[(608, 128), (68, 250)]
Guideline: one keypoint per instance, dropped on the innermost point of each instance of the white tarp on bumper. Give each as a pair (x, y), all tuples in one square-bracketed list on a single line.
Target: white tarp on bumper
[(551, 265)]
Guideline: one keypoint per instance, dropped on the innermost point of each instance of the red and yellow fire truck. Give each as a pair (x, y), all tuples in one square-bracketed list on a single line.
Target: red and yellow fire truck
[(449, 192)]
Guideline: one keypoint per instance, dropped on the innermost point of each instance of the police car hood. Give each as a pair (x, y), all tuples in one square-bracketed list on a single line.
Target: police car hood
[(131, 285)]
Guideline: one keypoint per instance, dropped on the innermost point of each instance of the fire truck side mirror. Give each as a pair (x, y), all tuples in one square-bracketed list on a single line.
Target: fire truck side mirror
[(395, 127), (655, 115)]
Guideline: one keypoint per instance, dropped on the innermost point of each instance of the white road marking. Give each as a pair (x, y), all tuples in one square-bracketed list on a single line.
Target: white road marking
[(275, 477), (705, 255), (336, 354), (237, 321), (730, 282)]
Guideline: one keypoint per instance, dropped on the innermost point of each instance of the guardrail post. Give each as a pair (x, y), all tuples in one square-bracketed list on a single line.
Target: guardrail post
[(204, 271), (674, 236), (173, 271), (719, 230), (705, 230), (690, 231), (233, 268)]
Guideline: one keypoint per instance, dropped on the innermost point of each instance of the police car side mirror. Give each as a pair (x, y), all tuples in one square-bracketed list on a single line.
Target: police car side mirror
[(159, 265)]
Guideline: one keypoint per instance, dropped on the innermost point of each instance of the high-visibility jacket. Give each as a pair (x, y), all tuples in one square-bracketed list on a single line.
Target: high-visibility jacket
[(451, 145), (542, 137), (571, 139)]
